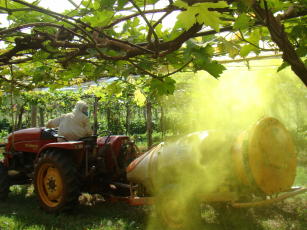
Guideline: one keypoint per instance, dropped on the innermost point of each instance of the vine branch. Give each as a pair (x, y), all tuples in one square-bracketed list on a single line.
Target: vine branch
[(149, 26)]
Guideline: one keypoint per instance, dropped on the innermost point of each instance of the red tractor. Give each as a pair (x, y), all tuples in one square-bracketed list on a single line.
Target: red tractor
[(61, 170)]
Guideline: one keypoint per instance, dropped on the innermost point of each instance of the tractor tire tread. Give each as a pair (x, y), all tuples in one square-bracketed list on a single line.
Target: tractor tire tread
[(69, 176), (4, 182)]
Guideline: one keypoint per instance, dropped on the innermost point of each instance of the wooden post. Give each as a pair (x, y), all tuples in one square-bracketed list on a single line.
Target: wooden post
[(108, 113), (95, 108), (41, 117), (128, 117), (149, 122), (33, 115), (19, 119)]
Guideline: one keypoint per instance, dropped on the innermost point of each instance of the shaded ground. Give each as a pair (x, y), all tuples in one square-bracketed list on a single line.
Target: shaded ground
[(22, 212), (288, 215)]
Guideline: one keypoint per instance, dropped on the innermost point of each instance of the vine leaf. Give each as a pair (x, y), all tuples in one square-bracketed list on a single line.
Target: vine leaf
[(139, 97), (121, 4), (40, 55), (203, 59), (163, 87), (199, 13), (245, 50), (242, 22), (115, 89), (227, 46), (100, 18), (186, 19)]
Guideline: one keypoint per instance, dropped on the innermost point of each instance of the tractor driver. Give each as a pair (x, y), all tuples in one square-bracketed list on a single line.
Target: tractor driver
[(74, 125)]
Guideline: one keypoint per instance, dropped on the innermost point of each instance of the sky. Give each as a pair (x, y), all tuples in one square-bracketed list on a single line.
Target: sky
[(54, 5), (60, 5)]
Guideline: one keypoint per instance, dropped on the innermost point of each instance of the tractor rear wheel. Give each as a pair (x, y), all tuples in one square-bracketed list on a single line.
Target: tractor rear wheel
[(4, 182), (56, 182)]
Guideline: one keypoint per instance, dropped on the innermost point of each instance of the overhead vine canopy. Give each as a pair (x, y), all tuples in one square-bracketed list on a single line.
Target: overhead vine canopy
[(100, 38)]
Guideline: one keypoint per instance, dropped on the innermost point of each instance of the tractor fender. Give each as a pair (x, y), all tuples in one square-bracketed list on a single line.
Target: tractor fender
[(70, 145)]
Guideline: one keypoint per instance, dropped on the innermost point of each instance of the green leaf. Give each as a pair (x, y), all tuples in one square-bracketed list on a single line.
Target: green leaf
[(115, 89), (210, 18), (231, 48), (121, 4), (302, 50), (40, 55), (163, 87), (186, 19), (204, 62), (135, 22), (245, 50), (86, 3), (275, 5), (96, 4), (199, 13), (242, 22), (100, 18), (181, 4), (203, 58), (92, 51), (158, 30), (214, 68), (255, 37), (139, 97), (107, 4)]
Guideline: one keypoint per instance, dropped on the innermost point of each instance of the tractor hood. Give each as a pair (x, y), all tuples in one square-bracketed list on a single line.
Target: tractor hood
[(25, 135)]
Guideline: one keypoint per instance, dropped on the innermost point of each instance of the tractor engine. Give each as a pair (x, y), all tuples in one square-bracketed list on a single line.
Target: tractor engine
[(105, 164)]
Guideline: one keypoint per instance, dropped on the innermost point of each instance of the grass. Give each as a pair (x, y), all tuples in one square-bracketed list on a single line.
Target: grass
[(21, 212)]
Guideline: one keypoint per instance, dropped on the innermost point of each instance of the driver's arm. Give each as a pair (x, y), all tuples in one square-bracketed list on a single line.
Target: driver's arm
[(87, 127), (54, 123)]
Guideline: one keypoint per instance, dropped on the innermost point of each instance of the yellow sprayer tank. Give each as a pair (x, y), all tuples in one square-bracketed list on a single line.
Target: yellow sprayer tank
[(265, 157), (262, 159)]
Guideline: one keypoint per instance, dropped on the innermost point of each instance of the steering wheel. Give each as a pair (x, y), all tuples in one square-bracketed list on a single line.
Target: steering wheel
[(54, 133), (57, 136), (109, 133), (87, 138)]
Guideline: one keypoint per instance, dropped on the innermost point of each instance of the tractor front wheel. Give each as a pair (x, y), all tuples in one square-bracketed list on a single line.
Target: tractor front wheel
[(4, 182), (56, 181)]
